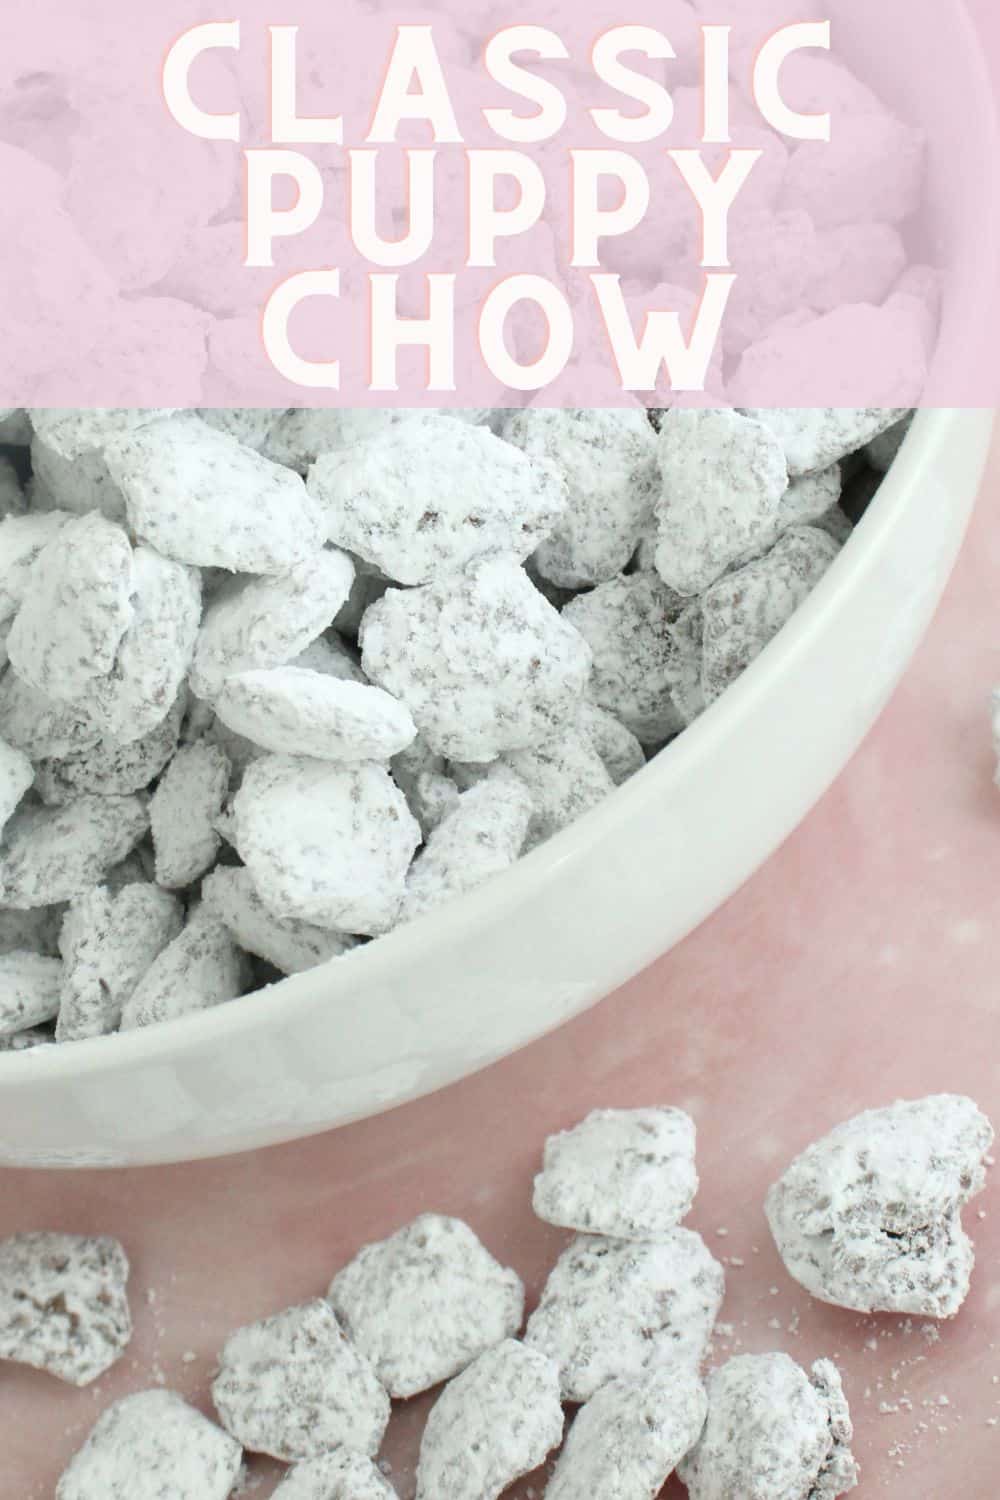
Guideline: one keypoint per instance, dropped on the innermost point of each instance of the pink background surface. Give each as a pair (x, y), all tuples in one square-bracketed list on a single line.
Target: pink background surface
[(861, 964)]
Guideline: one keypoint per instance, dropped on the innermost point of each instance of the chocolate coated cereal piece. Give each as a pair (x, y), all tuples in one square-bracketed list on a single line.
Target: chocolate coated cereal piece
[(75, 610), (626, 1173), (199, 496), (614, 1308), (427, 497), (723, 478), (155, 652), (109, 943), (153, 1446), (268, 621), (872, 173), (52, 854), (619, 749), (773, 1432), (481, 834), (230, 894), (293, 1386), (39, 726), (630, 1437), (481, 660), (637, 660), (293, 711), (325, 844), (79, 485), (494, 1422), (335, 1476), (63, 1305), (29, 990), (182, 813), (608, 463), (869, 1217), (744, 611), (424, 1303)]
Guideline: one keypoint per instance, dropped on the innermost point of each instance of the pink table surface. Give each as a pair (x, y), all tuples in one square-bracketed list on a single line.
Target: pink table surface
[(861, 964)]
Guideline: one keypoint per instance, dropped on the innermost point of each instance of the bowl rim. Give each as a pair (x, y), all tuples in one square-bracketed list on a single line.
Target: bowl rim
[(279, 1005)]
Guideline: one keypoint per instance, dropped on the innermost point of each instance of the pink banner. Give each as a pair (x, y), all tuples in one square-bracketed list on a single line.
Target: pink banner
[(766, 203)]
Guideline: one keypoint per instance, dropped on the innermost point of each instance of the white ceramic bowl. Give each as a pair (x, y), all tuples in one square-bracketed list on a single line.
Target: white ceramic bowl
[(498, 968)]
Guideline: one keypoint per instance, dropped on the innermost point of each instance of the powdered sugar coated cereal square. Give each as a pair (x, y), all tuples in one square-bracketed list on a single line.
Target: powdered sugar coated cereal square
[(16, 775), (336, 1476), (182, 813), (481, 660), (626, 1173), (292, 1386), (482, 832), (427, 497), (630, 1437), (324, 843), (773, 1432), (153, 1446), (424, 1303), (608, 462), (267, 621), (201, 968), (565, 778), (230, 894), (293, 711), (201, 497), (723, 478), (52, 854), (109, 942), (496, 1421), (614, 1308), (30, 985), (63, 1304), (869, 1217)]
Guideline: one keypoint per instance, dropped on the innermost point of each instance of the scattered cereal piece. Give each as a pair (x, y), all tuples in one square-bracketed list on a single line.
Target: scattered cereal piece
[(292, 711), (200, 969), (52, 854), (63, 1305), (29, 990), (16, 775), (268, 621), (290, 946), (110, 768), (76, 608), (428, 497), (182, 813), (773, 1432), (630, 1437), (494, 1422), (723, 478), (199, 496), (481, 660), (335, 1476), (109, 942), (744, 611), (608, 462), (870, 1216), (325, 844), (613, 1308), (425, 1303), (155, 651), (292, 1386), (625, 1173), (637, 660), (479, 836), (565, 778), (153, 1446)]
